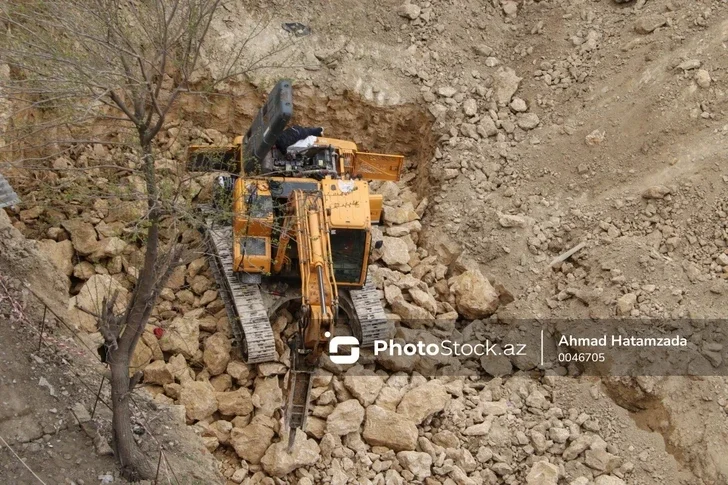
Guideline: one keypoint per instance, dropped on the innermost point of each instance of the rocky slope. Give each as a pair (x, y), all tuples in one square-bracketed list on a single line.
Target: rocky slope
[(548, 124)]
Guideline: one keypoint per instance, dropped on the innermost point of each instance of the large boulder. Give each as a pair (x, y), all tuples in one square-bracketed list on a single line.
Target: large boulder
[(412, 315), (182, 336), (346, 418), (424, 300), (158, 373), (279, 462), (140, 358), (108, 248), (83, 236), (91, 297), (59, 253), (268, 396), (363, 384), (251, 442), (394, 251), (475, 297), (198, 398), (416, 462), (238, 371), (126, 211), (423, 401), (389, 429), (543, 473), (505, 84), (217, 353), (235, 403)]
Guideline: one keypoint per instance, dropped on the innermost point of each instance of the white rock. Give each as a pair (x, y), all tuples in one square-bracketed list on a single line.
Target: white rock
[(83, 236), (386, 428), (527, 121), (394, 251), (252, 441), (279, 462), (480, 429), (626, 303), (198, 398), (447, 91), (518, 105), (423, 401), (702, 78), (59, 253), (424, 300), (416, 462), (543, 473), (409, 11), (505, 84), (235, 403), (510, 8), (93, 292), (474, 295), (268, 396), (182, 336), (470, 107), (217, 353), (346, 418), (363, 384), (609, 480), (158, 373)]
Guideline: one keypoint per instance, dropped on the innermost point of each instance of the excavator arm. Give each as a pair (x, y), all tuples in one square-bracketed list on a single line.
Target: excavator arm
[(307, 219), (318, 287)]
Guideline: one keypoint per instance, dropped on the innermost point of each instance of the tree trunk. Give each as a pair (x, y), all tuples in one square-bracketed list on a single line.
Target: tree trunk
[(132, 462)]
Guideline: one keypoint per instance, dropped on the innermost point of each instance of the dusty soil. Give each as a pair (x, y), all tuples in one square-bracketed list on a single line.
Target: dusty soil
[(619, 111)]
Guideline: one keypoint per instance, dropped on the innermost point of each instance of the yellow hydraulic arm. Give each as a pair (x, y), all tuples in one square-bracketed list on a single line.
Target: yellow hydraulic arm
[(318, 287)]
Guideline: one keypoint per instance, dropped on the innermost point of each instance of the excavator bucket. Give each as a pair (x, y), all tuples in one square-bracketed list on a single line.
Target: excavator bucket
[(377, 166), (204, 158)]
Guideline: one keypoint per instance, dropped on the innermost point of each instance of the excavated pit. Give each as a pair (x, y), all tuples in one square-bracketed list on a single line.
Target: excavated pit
[(404, 129)]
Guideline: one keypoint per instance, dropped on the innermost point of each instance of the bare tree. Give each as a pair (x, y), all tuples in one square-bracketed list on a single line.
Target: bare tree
[(78, 65)]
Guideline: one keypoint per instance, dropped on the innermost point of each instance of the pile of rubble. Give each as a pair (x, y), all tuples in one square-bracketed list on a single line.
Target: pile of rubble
[(380, 421)]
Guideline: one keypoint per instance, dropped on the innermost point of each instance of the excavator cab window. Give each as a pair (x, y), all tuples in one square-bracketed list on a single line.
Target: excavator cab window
[(347, 248)]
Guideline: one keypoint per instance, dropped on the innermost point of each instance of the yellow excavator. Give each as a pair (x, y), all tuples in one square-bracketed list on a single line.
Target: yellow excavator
[(299, 228)]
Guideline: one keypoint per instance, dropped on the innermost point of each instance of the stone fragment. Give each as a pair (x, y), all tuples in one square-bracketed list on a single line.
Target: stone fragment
[(474, 295), (251, 442), (83, 236), (182, 336), (505, 84), (268, 396), (158, 373), (346, 418), (363, 385), (217, 353), (646, 24), (235, 403), (423, 401), (543, 473), (59, 253), (418, 463), (409, 11), (278, 461), (394, 251), (198, 398), (389, 429)]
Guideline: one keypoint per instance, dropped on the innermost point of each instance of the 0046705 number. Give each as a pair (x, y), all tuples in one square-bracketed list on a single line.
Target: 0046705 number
[(581, 357)]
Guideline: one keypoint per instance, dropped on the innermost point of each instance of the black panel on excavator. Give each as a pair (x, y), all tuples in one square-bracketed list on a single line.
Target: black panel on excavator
[(281, 190), (267, 127)]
